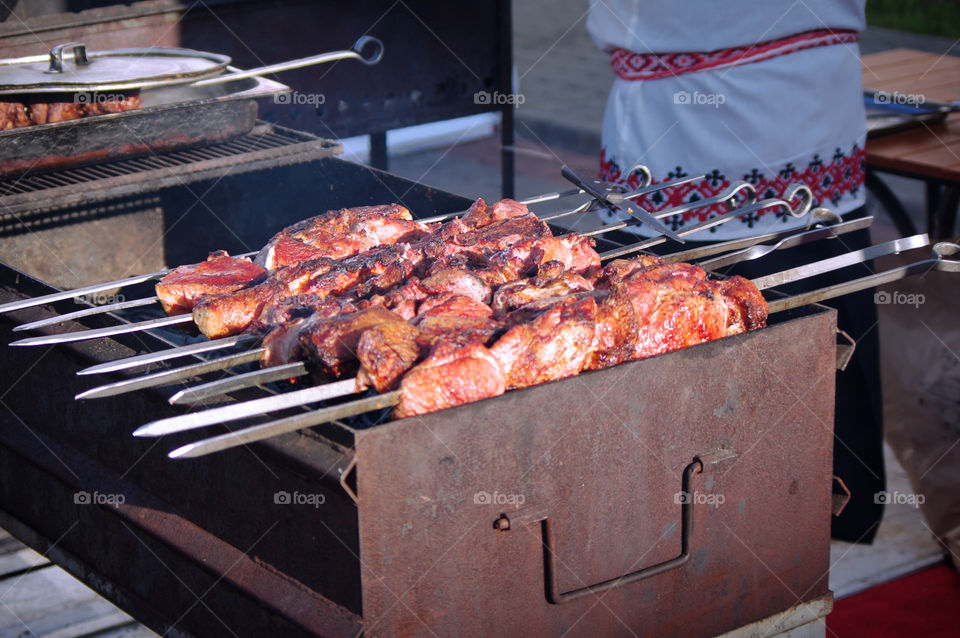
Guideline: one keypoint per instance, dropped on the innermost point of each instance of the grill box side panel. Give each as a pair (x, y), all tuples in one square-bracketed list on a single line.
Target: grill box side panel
[(600, 456)]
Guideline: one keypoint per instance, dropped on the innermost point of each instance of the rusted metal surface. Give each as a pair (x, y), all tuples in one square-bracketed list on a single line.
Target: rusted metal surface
[(601, 457)]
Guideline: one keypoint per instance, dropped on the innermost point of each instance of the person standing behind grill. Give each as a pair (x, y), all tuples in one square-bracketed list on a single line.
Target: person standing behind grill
[(769, 93)]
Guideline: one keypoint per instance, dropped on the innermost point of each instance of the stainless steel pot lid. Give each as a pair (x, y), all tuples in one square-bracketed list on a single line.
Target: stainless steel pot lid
[(70, 67)]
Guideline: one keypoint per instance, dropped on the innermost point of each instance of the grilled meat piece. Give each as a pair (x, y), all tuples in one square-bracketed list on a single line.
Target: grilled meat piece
[(450, 376), (401, 299), (746, 307), (480, 214), (572, 252), (458, 281), (553, 345), (657, 308), (182, 287), (341, 233), (386, 351), (39, 111), (455, 319), (620, 269), (63, 111), (389, 349), (229, 313), (332, 343), (13, 115), (456, 243), (284, 321), (544, 286), (222, 315)]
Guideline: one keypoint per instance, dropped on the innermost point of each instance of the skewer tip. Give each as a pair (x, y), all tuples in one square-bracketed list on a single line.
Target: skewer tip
[(182, 452), (148, 430), (29, 341), (175, 398)]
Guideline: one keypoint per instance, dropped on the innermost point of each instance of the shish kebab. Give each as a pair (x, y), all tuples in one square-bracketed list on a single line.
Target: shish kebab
[(279, 370), (239, 303), (515, 236), (631, 309), (943, 260), (739, 193), (644, 188)]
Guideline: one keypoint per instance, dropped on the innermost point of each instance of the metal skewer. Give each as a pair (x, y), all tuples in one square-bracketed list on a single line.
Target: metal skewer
[(149, 358), (852, 258), (215, 388), (197, 393), (640, 214), (88, 290), (790, 241), (617, 197), (236, 411), (109, 331), (86, 312), (643, 189), (289, 424), (246, 409), (937, 262), (168, 377), (704, 225), (729, 197), (694, 254)]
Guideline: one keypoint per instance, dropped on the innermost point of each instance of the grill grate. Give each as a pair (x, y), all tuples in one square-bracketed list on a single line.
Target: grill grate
[(264, 138)]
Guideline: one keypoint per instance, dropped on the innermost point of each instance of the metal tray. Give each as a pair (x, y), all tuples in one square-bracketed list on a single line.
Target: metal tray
[(171, 118)]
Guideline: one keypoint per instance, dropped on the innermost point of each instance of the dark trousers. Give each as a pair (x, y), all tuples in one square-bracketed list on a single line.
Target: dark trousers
[(858, 427)]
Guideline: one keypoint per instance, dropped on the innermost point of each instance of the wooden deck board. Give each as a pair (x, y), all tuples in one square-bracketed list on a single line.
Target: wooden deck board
[(40, 600)]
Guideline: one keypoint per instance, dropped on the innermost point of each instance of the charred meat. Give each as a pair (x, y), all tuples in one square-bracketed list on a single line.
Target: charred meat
[(220, 273)]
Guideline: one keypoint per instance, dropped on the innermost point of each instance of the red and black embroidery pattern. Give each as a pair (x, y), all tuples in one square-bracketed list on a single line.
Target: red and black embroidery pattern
[(651, 66), (831, 179)]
